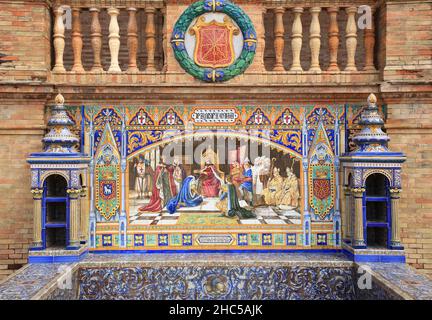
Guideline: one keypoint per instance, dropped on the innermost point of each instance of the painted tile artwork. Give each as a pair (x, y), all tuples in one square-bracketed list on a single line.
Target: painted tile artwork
[(233, 176)]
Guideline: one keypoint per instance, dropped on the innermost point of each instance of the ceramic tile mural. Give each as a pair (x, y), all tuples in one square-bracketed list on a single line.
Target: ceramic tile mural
[(231, 176)]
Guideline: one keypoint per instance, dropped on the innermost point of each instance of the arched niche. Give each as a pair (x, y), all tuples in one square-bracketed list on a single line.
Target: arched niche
[(377, 211), (55, 212), (55, 185), (377, 184)]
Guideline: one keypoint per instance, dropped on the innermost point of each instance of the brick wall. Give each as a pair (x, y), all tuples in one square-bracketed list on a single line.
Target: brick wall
[(21, 129), (408, 72), (408, 41), (25, 34), (410, 128)]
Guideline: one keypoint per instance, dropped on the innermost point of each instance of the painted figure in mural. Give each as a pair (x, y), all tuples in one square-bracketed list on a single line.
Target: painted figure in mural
[(236, 173), (246, 187), (290, 191), (179, 174), (163, 188), (187, 197), (274, 188), (209, 180), (143, 178), (260, 174), (229, 203)]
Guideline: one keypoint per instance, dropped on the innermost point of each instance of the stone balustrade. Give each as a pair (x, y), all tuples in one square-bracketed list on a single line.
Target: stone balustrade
[(314, 32), (309, 43)]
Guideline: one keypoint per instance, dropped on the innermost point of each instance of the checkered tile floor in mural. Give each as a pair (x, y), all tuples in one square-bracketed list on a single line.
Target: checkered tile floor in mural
[(265, 215)]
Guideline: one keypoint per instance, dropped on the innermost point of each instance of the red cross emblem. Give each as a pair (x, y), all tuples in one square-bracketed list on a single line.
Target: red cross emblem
[(171, 118), (286, 119), (142, 118), (258, 118)]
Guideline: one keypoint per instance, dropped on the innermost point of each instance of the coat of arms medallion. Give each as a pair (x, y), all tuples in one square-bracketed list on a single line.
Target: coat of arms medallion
[(214, 41)]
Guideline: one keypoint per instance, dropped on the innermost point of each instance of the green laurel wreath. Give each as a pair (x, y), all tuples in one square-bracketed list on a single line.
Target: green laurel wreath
[(234, 12)]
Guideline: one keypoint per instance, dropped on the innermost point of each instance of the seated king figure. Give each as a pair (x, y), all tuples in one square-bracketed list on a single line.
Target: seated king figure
[(210, 180)]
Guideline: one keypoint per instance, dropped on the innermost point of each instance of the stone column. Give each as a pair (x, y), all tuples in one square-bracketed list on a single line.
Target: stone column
[(150, 31), (84, 215), (351, 39), (315, 39), (77, 42), (369, 42), (74, 218), (395, 241), (37, 218), (114, 39), (347, 213), (279, 38), (132, 40), (358, 223), (59, 40), (96, 40), (333, 38), (297, 39)]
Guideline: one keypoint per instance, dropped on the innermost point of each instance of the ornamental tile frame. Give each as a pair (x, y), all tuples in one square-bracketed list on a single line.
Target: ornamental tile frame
[(179, 124)]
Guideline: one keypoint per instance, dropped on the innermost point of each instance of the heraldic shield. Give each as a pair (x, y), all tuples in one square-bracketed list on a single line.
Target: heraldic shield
[(107, 192), (214, 47), (322, 189)]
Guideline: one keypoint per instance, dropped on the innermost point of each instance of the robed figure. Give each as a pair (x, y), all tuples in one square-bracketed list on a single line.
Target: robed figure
[(187, 197), (179, 174), (143, 178), (246, 187), (229, 203), (290, 191), (209, 181), (163, 189)]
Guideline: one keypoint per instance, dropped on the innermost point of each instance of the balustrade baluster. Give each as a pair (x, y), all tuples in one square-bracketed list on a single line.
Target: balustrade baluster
[(150, 38), (96, 40), (132, 40), (114, 40), (369, 42), (59, 40), (279, 38), (77, 42), (297, 39), (351, 39), (333, 39), (315, 39)]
